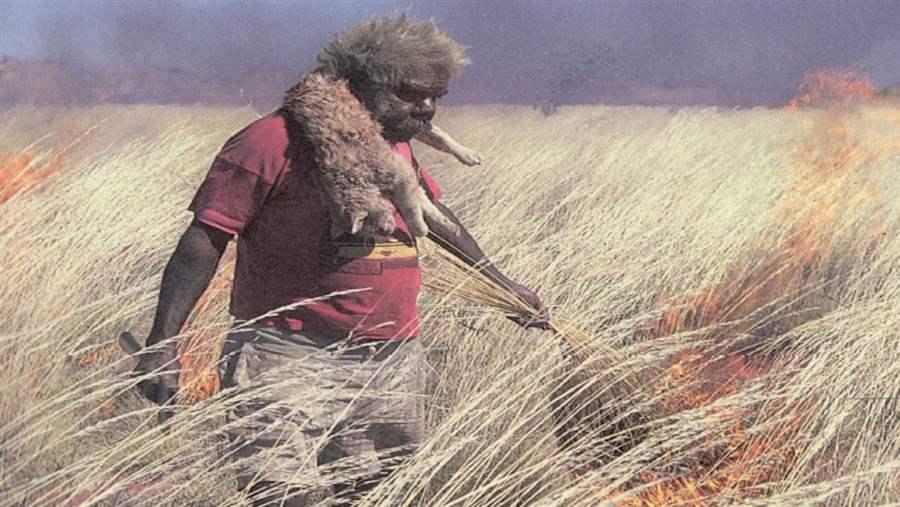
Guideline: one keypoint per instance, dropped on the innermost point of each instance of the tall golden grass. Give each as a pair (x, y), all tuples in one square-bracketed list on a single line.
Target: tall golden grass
[(619, 216)]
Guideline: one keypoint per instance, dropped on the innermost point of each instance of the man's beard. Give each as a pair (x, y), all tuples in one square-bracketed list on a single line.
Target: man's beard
[(397, 125), (400, 128)]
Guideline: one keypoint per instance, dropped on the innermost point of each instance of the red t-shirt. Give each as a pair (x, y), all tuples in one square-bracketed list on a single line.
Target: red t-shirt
[(285, 252)]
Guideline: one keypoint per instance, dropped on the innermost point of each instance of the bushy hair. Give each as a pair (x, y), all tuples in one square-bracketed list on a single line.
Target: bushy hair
[(394, 51)]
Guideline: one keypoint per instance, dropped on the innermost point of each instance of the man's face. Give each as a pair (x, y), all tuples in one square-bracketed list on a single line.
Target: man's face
[(402, 112)]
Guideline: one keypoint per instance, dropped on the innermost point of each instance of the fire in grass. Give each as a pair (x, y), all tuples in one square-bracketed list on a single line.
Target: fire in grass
[(768, 297), (734, 461), (833, 89), (21, 171)]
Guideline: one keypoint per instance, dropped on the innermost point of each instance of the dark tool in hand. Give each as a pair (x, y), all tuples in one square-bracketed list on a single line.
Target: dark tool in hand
[(129, 343), (163, 395)]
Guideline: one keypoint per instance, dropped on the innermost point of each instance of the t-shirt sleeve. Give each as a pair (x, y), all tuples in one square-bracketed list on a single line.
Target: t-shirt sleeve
[(229, 197), (242, 177)]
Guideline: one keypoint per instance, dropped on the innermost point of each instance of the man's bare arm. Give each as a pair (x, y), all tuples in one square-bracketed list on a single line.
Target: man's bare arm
[(464, 246), (186, 276)]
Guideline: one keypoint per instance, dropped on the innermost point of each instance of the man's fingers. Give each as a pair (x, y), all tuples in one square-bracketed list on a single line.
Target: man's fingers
[(537, 324), (519, 319), (163, 393), (149, 389), (156, 391), (129, 343), (531, 321), (157, 383), (532, 299)]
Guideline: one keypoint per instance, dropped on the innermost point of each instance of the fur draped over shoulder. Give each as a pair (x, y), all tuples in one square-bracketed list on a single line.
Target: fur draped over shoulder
[(354, 166)]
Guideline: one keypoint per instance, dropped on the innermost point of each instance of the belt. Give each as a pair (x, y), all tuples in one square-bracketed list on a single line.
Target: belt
[(379, 251), (376, 350)]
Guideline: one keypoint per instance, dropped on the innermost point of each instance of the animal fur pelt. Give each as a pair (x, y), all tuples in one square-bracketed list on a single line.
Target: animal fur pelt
[(355, 167)]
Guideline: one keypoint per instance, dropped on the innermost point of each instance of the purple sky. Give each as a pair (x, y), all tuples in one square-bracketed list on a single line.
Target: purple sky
[(763, 47)]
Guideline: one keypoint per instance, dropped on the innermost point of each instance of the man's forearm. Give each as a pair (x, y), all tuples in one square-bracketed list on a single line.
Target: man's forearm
[(186, 276), (464, 246)]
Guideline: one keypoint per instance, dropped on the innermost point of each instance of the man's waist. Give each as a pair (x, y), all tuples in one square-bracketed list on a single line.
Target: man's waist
[(268, 333), (376, 350)]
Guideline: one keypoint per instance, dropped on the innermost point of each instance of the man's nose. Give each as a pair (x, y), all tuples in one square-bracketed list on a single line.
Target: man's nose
[(424, 109)]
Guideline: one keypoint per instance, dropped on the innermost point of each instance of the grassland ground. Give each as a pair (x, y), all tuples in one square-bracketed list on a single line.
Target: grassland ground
[(741, 263)]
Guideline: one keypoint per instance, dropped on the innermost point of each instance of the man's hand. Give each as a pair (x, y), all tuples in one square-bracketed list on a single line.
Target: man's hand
[(540, 319), (464, 246), (186, 276), (162, 363)]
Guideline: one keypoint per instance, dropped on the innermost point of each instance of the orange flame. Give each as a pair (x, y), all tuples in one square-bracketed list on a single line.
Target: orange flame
[(833, 88), (828, 160), (98, 356), (19, 172)]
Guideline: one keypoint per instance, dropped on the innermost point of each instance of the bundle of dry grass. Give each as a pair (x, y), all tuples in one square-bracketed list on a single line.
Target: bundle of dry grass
[(454, 277), (585, 406)]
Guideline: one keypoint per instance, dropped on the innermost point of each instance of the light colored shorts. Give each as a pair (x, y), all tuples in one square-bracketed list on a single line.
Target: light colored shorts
[(312, 412)]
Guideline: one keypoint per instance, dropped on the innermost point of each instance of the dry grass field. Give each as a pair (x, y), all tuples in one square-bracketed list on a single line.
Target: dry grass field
[(728, 279)]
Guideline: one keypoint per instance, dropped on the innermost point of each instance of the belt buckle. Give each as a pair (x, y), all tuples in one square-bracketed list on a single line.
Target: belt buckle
[(340, 347), (359, 348)]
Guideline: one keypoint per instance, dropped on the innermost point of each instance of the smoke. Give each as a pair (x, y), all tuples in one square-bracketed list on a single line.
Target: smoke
[(747, 52)]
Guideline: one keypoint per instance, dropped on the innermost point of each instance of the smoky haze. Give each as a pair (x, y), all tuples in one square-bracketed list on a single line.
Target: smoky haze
[(732, 53)]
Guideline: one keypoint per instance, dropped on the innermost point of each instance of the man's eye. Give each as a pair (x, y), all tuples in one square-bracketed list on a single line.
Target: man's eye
[(411, 97), (414, 96)]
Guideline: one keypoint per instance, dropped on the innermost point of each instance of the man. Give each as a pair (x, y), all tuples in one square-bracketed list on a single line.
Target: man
[(332, 385)]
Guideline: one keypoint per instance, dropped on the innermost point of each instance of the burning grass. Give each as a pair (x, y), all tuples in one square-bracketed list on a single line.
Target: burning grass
[(791, 284), (727, 279), (21, 171), (17, 175)]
